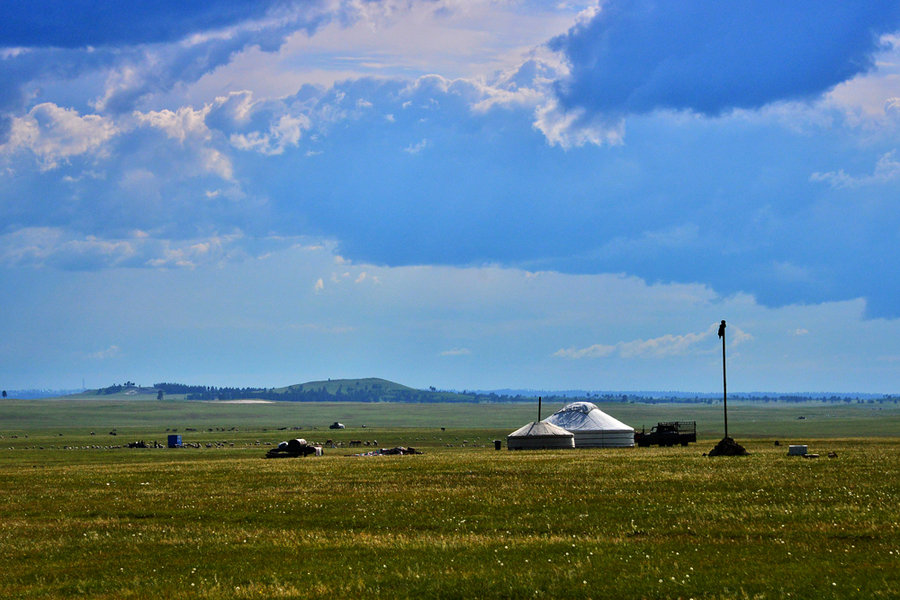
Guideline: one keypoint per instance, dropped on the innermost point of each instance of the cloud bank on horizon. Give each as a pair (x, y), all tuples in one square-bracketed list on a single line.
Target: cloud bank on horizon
[(746, 148)]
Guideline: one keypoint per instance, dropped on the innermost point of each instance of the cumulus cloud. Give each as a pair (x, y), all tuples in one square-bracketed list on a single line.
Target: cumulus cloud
[(188, 126), (181, 124), (887, 169), (283, 133), (54, 134), (709, 57), (660, 347)]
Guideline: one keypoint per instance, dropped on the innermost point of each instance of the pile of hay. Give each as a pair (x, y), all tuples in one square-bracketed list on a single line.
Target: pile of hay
[(728, 447)]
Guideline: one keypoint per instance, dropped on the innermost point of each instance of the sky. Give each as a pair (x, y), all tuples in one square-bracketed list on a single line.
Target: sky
[(466, 194)]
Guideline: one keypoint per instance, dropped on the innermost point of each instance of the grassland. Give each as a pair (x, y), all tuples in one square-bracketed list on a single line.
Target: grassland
[(146, 416), (460, 521)]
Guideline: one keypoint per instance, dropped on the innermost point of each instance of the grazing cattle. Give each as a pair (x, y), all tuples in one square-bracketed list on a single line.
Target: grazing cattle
[(355, 443)]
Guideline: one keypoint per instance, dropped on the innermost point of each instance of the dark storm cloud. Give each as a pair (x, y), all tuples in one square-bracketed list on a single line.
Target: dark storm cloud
[(708, 56), (78, 23)]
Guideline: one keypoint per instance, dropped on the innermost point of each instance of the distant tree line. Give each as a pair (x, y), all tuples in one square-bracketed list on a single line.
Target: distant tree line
[(321, 394), (377, 393), (208, 392), (115, 388)]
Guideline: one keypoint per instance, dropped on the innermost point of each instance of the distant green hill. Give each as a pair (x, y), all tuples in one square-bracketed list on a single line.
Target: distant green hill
[(371, 389), (128, 390), (373, 385)]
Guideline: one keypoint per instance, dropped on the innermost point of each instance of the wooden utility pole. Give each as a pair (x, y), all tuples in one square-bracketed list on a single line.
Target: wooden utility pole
[(724, 379)]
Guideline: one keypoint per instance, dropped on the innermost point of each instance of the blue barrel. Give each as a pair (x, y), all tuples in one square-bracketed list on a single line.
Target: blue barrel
[(175, 441)]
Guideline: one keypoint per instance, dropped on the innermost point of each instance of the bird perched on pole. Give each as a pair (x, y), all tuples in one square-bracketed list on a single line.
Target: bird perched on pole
[(722, 329)]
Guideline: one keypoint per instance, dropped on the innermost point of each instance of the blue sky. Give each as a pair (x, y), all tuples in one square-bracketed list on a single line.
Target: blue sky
[(460, 193)]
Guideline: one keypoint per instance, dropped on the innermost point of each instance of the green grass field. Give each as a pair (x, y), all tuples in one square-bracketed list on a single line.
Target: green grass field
[(460, 521), (147, 416)]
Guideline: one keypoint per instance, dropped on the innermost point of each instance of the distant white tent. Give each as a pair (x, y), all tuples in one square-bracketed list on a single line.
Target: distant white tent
[(540, 435), (592, 427)]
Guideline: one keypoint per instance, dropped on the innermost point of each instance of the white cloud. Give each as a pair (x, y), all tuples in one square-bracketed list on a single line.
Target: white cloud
[(181, 124), (870, 99), (887, 170), (39, 246), (416, 148), (456, 352), (366, 276), (188, 127), (595, 351), (192, 253), (572, 129), (283, 133), (660, 347), (458, 39), (55, 247), (667, 345), (53, 134), (111, 352)]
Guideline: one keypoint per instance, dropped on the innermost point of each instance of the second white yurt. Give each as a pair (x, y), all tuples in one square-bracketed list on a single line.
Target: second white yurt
[(592, 427), (540, 435)]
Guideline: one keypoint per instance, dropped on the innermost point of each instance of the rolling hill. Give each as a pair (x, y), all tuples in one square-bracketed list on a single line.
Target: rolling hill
[(371, 389)]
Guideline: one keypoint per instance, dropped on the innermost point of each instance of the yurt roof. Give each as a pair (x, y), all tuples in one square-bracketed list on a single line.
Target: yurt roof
[(540, 429), (585, 416)]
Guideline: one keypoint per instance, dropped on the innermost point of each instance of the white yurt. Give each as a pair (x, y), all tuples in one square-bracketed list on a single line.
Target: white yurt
[(540, 435), (592, 427)]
